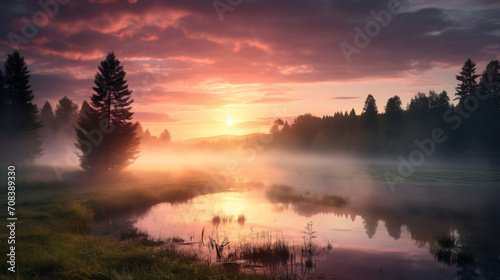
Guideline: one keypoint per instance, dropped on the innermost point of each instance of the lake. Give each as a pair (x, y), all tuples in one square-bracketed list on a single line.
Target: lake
[(438, 224)]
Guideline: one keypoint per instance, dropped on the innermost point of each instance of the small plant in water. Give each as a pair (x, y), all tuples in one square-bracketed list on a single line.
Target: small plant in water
[(213, 243), (308, 237)]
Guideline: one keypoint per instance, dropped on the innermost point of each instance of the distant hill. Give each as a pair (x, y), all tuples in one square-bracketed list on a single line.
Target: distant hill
[(217, 138)]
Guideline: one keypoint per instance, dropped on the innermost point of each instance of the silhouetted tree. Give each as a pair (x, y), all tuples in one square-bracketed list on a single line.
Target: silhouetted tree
[(467, 78), (393, 107), (419, 105), (490, 79), (304, 129), (393, 122), (443, 102), (352, 113), (140, 131), (275, 129), (20, 137), (109, 115), (47, 119), (165, 136), (46, 113), (433, 102), (286, 128), (370, 113), (84, 110), (66, 111), (146, 138)]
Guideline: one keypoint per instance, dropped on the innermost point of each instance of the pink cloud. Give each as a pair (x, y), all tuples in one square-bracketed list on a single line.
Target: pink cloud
[(153, 117)]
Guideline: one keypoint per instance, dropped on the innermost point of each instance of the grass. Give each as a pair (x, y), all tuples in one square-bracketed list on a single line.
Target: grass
[(267, 254), (53, 239)]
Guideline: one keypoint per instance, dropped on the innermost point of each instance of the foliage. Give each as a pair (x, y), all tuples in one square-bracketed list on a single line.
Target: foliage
[(471, 128), (106, 136), (19, 129)]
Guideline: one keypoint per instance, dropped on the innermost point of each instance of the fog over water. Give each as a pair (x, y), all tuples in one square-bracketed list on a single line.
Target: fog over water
[(396, 230)]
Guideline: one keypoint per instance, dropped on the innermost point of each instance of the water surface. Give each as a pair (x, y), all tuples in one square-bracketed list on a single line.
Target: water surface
[(377, 234)]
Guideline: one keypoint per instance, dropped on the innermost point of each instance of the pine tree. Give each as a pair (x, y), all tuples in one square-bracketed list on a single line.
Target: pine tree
[(84, 110), (352, 114), (146, 138), (467, 78), (490, 82), (370, 113), (66, 111), (165, 136), (286, 128), (107, 122), (47, 118), (443, 102), (46, 113), (20, 138)]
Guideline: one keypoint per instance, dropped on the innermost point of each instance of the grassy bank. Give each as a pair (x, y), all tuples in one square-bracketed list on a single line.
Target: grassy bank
[(53, 239)]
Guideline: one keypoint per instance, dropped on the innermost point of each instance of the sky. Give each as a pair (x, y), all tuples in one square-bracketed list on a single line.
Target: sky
[(214, 67)]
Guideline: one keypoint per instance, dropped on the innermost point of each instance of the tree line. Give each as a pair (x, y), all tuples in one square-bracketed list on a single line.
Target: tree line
[(105, 135), (107, 139), (472, 126)]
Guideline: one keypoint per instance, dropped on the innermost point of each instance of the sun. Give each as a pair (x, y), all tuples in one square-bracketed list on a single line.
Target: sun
[(229, 121)]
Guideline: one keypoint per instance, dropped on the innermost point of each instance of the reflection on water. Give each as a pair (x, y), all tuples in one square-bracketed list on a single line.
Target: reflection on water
[(417, 232)]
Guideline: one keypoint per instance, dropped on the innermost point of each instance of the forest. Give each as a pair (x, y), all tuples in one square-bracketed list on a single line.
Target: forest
[(468, 128)]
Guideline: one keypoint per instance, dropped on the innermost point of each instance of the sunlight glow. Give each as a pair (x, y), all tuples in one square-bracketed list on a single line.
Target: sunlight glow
[(229, 121)]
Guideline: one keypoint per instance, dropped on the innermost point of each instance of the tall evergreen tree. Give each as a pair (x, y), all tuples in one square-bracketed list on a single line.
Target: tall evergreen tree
[(84, 110), (490, 80), (66, 111), (47, 118), (165, 136), (21, 141), (46, 113), (443, 101), (467, 78), (147, 136), (370, 113), (110, 114)]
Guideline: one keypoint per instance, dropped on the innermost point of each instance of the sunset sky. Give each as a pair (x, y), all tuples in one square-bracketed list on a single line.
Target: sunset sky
[(198, 71)]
